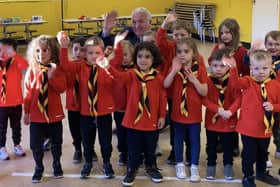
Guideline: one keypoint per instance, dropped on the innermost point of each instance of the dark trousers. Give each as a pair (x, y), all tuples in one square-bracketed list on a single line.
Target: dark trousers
[(88, 131), (121, 132), (254, 150), (193, 133), (139, 142), (13, 114), (74, 126), (226, 138), (276, 132), (37, 135), (171, 133)]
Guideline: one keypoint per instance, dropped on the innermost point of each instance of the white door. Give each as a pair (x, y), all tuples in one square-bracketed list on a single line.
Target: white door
[(265, 17)]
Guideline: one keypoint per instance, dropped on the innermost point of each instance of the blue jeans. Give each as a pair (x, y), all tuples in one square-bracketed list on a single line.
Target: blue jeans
[(180, 133)]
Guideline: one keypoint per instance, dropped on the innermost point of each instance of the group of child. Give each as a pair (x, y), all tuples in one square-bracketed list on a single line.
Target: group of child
[(135, 84)]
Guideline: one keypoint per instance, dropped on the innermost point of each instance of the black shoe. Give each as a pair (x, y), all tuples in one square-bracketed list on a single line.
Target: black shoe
[(171, 158), (122, 159), (236, 152), (108, 171), (94, 156), (86, 170), (129, 177), (219, 147), (47, 144), (248, 181), (38, 175), (77, 157), (267, 178), (57, 170), (154, 174)]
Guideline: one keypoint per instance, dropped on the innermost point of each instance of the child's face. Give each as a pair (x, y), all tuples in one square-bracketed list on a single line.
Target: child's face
[(144, 60), (184, 53), (219, 69), (93, 52), (273, 46), (179, 34), (127, 56), (149, 38), (43, 54), (225, 35), (260, 70), (78, 52)]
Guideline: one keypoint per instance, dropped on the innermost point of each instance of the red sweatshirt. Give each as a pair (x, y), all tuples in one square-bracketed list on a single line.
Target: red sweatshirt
[(157, 99), (250, 122), (231, 102), (14, 81), (194, 100), (105, 103), (56, 85), (72, 103)]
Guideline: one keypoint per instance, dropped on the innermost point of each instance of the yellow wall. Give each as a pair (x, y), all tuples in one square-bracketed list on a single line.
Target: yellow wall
[(51, 10), (241, 10)]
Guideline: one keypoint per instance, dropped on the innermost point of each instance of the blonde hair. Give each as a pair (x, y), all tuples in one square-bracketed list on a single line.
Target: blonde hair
[(48, 40), (182, 24), (94, 41), (127, 44), (260, 55)]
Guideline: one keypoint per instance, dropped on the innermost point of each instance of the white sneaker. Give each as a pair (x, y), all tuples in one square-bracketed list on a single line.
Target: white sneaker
[(194, 174), (268, 164), (180, 171), (18, 151), (4, 154)]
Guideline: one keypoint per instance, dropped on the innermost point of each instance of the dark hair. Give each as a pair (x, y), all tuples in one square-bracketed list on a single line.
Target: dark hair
[(149, 46), (219, 54), (80, 40), (273, 34), (9, 41), (233, 27)]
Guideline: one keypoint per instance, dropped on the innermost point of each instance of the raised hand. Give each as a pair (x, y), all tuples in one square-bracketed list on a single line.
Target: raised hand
[(176, 64), (110, 21), (103, 62), (63, 39), (51, 70), (119, 37), (170, 18)]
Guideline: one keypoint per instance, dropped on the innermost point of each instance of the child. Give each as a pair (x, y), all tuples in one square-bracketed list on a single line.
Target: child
[(222, 102), (11, 67), (229, 37), (180, 30), (260, 99), (43, 84), (187, 79), (120, 98), (96, 101), (73, 100), (272, 44), (145, 110)]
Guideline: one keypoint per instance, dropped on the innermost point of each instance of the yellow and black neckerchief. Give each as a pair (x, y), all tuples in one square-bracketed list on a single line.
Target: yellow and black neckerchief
[(183, 103), (43, 94), (92, 91), (144, 103), (4, 68), (268, 115), (76, 92), (221, 85), (273, 72)]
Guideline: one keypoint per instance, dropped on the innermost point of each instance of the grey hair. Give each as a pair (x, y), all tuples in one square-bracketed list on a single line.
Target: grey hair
[(142, 10)]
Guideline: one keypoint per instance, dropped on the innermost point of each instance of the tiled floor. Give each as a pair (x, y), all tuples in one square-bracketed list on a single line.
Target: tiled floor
[(18, 171)]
